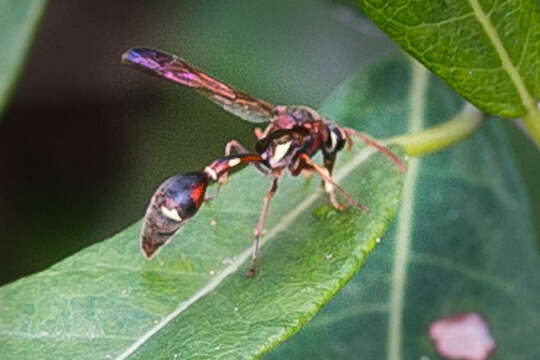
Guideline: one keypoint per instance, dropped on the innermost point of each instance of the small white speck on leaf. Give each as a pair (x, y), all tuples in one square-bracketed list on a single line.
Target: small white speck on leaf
[(236, 308), (378, 240), (328, 256), (213, 222), (212, 272)]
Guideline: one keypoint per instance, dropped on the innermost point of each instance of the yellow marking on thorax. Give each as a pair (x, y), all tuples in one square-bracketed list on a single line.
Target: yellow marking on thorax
[(280, 150)]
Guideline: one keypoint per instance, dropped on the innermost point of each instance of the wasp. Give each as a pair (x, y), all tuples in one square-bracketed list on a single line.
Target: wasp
[(288, 143)]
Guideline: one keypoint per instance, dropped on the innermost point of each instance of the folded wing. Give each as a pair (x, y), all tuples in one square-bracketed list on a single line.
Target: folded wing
[(177, 70)]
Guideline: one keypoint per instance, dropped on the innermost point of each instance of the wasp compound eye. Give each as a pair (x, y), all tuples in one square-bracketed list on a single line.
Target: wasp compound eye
[(172, 205)]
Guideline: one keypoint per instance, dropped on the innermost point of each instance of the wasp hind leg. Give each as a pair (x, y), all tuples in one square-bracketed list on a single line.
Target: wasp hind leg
[(260, 225)]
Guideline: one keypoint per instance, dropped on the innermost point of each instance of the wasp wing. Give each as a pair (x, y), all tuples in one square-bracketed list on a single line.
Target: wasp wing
[(181, 72)]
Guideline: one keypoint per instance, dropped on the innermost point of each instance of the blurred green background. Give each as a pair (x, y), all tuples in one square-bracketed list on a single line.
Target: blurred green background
[(84, 140)]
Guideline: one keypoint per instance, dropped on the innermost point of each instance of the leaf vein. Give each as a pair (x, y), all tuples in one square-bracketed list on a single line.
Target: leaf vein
[(61, 335), (507, 65), (404, 218), (446, 264)]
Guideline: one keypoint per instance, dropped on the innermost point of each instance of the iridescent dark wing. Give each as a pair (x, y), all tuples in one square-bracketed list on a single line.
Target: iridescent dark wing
[(179, 71)]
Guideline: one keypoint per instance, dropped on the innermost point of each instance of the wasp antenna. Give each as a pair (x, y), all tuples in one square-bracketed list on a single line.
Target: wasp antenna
[(380, 148)]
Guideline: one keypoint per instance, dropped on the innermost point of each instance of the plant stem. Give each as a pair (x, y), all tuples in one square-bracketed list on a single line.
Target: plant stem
[(441, 136), (531, 120)]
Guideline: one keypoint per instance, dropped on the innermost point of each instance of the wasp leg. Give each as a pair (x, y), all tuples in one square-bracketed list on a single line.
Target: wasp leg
[(221, 180), (328, 163), (330, 185), (233, 144), (380, 148), (258, 133), (260, 225), (330, 191)]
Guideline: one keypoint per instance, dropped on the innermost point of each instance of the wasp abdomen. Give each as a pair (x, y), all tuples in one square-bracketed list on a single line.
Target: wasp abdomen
[(175, 201)]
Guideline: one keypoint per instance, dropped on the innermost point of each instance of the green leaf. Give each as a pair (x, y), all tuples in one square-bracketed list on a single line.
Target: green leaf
[(463, 241), (18, 20), (193, 300), (488, 51)]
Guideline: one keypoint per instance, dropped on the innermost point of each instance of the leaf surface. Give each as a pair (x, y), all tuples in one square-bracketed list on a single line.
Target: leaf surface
[(193, 300), (18, 20), (462, 241), (486, 50)]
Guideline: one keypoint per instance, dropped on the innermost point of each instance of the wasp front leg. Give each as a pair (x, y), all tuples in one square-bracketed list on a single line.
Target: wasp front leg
[(329, 161), (330, 186)]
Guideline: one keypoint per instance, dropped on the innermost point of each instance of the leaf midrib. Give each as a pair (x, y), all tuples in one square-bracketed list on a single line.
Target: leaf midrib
[(341, 173), (419, 79)]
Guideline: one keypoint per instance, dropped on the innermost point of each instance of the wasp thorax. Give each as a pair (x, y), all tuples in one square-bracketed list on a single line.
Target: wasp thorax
[(173, 203)]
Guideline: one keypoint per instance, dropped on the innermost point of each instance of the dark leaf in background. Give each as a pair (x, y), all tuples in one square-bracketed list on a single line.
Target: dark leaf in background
[(18, 19)]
